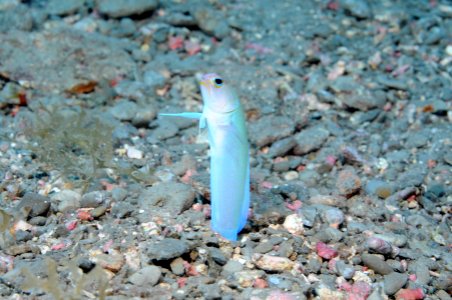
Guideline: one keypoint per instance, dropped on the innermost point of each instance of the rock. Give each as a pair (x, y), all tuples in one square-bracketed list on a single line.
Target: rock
[(93, 199), (112, 262), (392, 83), (166, 249), (363, 100), (148, 276), (98, 211), (177, 266), (34, 205), (348, 183), (247, 278), (67, 200), (357, 8), (379, 188), (263, 247), (270, 128), (232, 267), (124, 110), (67, 7), (211, 21), (281, 147), (217, 255), (393, 282), (170, 197), (294, 224), (272, 263), (35, 66), (345, 270), (124, 8), (310, 139), (376, 263)]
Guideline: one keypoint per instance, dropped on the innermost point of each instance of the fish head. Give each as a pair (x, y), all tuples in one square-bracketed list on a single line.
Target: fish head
[(217, 94)]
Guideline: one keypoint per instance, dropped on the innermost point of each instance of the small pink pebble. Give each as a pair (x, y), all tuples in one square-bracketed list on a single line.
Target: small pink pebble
[(260, 283), (206, 210), (325, 251), (107, 246), (192, 47), (58, 246), (331, 160), (181, 282), (294, 206), (412, 277), (71, 225), (360, 290), (175, 42), (407, 294), (197, 206), (266, 184)]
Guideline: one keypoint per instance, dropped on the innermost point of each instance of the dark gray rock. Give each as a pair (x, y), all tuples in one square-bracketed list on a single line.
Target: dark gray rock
[(67, 7), (147, 276), (281, 147), (34, 205), (310, 139), (170, 197), (166, 249), (270, 128), (211, 21), (394, 282), (93, 199), (124, 8), (357, 8), (376, 263)]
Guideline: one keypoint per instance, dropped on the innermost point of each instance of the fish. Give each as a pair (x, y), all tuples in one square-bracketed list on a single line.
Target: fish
[(224, 118)]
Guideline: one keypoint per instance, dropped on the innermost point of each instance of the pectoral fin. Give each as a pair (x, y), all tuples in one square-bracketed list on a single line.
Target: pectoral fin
[(188, 115)]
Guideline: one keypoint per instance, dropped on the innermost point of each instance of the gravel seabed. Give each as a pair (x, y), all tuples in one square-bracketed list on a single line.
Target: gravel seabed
[(348, 107)]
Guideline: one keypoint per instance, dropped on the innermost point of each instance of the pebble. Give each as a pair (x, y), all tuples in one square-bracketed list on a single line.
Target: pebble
[(247, 278), (379, 188), (270, 128), (124, 110), (218, 256), (393, 282), (263, 247), (272, 263), (157, 197), (348, 183), (211, 21), (345, 270), (294, 224), (34, 205), (310, 139), (67, 200), (166, 249), (57, 7), (112, 262), (124, 8), (357, 8), (146, 277), (232, 267), (98, 211), (376, 263), (177, 266), (281, 147), (93, 199)]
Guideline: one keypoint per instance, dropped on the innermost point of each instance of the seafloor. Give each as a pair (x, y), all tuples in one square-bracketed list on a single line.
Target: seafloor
[(348, 107)]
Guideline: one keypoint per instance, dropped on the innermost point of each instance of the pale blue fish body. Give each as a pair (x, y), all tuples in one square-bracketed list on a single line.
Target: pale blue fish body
[(229, 155)]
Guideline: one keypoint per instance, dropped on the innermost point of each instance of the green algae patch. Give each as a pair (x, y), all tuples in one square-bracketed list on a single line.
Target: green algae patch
[(75, 142)]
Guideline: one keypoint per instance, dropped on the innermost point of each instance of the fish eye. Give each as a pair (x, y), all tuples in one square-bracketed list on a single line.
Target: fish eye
[(218, 82)]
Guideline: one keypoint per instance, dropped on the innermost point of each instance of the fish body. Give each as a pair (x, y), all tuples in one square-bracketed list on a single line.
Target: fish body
[(224, 118)]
